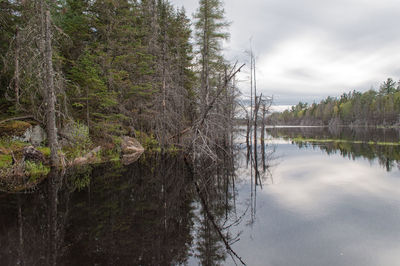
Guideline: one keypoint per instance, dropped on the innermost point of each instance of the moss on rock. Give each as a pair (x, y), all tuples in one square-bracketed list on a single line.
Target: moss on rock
[(14, 128)]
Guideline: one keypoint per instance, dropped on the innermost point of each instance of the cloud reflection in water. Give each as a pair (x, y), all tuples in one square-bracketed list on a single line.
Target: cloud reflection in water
[(324, 210)]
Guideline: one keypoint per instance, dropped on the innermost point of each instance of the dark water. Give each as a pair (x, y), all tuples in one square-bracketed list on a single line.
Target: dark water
[(104, 215), (319, 204)]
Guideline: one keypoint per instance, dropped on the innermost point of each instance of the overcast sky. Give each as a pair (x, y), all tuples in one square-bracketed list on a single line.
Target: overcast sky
[(310, 49)]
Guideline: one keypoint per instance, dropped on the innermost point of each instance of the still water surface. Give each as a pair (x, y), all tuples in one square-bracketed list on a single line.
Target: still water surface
[(335, 203), (322, 209)]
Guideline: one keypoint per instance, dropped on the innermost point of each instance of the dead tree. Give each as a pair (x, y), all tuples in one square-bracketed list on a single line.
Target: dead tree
[(50, 91), (202, 129), (266, 104), (16, 70), (263, 109), (35, 82), (256, 110)]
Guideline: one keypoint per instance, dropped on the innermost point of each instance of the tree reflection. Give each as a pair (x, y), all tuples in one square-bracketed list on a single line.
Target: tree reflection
[(157, 211), (30, 231), (259, 160), (363, 134), (141, 216), (210, 249), (372, 144), (123, 216)]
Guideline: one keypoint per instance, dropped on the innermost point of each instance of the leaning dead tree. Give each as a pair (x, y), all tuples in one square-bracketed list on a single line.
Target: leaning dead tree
[(202, 130), (209, 143)]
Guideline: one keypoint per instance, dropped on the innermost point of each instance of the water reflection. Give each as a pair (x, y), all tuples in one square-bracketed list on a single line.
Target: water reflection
[(323, 210), (123, 216), (294, 203), (31, 225), (373, 144), (338, 133), (146, 214)]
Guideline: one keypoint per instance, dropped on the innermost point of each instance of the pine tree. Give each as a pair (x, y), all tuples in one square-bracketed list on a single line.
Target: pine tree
[(210, 33)]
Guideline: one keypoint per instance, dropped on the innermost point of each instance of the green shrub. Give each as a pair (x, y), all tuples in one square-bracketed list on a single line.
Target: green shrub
[(149, 143), (5, 161), (35, 170), (8, 144), (79, 139), (45, 151), (80, 135)]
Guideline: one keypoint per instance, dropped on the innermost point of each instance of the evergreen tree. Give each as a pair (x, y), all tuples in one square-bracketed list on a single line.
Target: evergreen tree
[(210, 32), (387, 87), (117, 64)]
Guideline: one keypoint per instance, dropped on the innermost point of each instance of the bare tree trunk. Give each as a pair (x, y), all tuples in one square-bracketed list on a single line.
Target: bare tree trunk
[(263, 136), (251, 92), (87, 109), (248, 139), (255, 80), (16, 70), (49, 85), (250, 120), (256, 109), (164, 89)]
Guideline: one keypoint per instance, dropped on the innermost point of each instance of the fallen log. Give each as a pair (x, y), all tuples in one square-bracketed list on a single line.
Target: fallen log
[(16, 118)]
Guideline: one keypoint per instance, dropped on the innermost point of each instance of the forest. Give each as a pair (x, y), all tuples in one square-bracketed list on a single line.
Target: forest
[(98, 76), (371, 108), (104, 69)]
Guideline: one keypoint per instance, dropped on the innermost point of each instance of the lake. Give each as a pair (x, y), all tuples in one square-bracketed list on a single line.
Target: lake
[(327, 197)]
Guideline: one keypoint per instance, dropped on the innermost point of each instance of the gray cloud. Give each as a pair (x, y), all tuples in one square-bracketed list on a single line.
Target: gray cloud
[(309, 49)]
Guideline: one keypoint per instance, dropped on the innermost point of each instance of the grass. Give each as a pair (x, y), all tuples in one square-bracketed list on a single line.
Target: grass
[(35, 170), (5, 161), (45, 151), (388, 143), (300, 139), (7, 148), (388, 127), (7, 145)]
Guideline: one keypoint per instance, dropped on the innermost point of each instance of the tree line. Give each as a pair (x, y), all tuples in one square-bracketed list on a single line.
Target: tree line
[(119, 66), (371, 108)]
